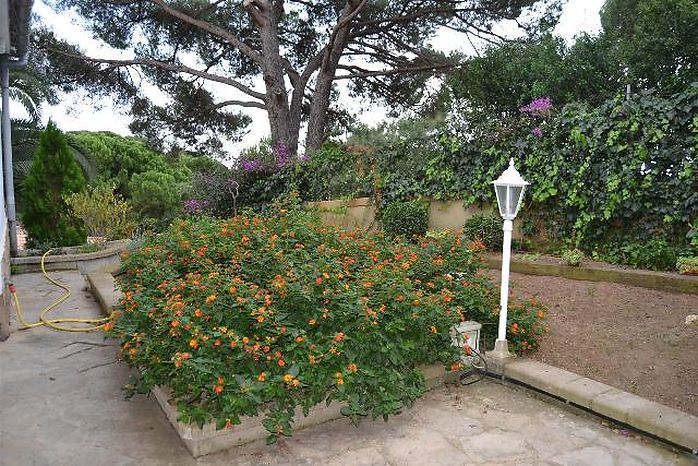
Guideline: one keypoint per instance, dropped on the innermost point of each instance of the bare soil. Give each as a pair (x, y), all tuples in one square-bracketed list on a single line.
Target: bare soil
[(634, 339)]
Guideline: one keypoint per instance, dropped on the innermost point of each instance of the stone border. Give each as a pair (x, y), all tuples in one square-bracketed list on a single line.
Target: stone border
[(661, 421), (644, 278), (107, 258), (207, 440)]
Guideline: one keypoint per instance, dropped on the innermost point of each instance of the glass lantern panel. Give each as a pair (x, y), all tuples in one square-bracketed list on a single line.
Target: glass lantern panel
[(513, 200), (501, 192)]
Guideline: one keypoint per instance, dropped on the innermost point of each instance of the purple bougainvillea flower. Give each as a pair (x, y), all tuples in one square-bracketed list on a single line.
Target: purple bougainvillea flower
[(537, 132), (250, 165), (538, 107), (193, 206), (282, 155)]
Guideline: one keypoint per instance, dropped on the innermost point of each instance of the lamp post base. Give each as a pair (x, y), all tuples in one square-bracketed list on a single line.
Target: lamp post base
[(500, 351)]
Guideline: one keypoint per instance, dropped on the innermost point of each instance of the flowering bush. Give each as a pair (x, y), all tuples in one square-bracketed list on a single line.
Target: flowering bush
[(268, 314)]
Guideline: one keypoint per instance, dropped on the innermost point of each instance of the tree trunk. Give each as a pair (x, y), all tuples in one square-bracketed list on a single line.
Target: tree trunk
[(266, 18), (323, 86)]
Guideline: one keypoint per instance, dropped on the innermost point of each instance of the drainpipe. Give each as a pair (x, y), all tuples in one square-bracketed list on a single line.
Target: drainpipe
[(8, 171)]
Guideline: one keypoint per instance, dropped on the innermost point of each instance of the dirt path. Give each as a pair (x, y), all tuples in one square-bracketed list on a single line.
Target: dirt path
[(631, 338)]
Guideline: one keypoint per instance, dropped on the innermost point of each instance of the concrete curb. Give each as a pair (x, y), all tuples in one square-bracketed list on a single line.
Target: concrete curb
[(105, 289), (644, 415), (644, 278), (661, 421)]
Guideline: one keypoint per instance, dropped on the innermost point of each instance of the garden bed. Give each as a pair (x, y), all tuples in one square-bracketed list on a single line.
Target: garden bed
[(632, 338)]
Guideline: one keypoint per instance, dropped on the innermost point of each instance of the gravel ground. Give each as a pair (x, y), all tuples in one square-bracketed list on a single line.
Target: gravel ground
[(632, 338)]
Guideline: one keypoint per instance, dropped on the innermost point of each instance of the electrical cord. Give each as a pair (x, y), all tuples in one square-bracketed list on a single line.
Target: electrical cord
[(482, 371), (94, 324)]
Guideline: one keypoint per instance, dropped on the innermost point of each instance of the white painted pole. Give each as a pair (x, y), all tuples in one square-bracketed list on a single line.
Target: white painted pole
[(508, 227), (7, 157)]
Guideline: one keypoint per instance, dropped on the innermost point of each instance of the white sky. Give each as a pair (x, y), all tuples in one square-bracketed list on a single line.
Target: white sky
[(75, 112)]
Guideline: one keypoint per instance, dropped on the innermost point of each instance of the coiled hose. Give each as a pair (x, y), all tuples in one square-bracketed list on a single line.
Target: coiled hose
[(92, 324)]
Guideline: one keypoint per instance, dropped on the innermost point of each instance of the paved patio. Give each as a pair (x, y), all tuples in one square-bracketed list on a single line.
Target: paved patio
[(61, 404)]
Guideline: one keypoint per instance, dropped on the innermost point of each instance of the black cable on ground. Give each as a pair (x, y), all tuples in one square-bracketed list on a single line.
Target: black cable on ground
[(474, 369)]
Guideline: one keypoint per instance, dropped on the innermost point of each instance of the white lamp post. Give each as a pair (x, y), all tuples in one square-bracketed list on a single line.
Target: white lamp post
[(509, 188)]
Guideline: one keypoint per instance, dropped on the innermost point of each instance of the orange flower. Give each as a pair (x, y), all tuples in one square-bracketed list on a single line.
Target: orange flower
[(288, 378), (233, 344), (432, 328), (262, 377), (198, 312), (339, 337), (245, 340), (312, 359), (185, 356), (352, 368), (514, 328), (108, 326), (260, 319), (312, 322), (218, 389), (217, 342), (456, 366), (318, 281), (281, 363), (194, 344), (232, 290), (210, 299), (296, 382), (299, 339), (339, 378), (541, 314)]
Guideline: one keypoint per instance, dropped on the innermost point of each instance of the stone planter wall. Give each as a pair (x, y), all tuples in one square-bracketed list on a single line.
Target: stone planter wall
[(105, 259)]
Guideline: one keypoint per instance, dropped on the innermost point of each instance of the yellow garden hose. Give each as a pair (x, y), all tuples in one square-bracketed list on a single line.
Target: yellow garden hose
[(95, 324)]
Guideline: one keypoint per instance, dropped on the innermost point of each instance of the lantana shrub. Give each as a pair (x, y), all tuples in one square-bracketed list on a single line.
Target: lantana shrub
[(266, 314)]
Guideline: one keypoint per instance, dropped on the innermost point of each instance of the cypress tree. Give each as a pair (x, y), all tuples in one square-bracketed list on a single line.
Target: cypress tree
[(53, 175)]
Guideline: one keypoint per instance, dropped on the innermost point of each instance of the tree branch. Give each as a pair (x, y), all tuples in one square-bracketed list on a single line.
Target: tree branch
[(238, 103), (177, 68), (229, 37), (357, 72)]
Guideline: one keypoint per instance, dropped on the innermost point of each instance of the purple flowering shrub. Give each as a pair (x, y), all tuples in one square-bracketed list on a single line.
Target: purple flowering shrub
[(538, 108), (193, 207), (212, 193), (266, 158)]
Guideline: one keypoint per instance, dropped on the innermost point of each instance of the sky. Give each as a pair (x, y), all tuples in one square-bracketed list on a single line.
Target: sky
[(75, 112)]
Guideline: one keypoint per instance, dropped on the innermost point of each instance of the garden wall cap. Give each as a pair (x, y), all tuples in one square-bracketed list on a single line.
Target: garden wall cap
[(511, 177)]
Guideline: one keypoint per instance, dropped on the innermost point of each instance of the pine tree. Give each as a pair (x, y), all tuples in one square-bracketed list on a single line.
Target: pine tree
[(53, 175)]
